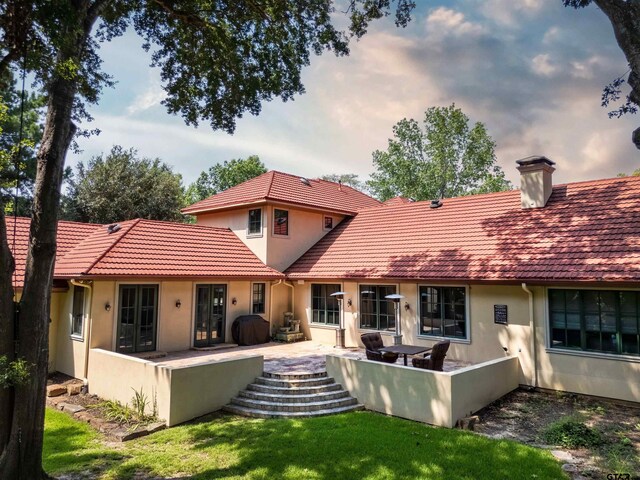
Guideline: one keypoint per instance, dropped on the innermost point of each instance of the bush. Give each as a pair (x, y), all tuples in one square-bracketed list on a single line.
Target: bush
[(572, 432)]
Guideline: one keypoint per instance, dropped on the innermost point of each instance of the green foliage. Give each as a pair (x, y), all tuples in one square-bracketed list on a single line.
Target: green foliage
[(350, 179), (121, 186), (133, 415), (572, 432), (351, 446), (13, 373), (443, 158), (116, 412), (223, 176)]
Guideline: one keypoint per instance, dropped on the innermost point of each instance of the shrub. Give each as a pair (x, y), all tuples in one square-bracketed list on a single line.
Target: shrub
[(572, 432)]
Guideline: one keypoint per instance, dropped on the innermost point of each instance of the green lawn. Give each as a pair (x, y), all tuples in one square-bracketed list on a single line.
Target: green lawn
[(359, 445)]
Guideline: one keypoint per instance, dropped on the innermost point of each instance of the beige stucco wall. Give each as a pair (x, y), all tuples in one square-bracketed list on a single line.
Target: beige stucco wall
[(69, 351), (306, 227), (438, 398), (592, 374), (181, 393)]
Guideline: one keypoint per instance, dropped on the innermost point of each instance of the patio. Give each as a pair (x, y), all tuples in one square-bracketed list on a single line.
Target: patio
[(300, 357)]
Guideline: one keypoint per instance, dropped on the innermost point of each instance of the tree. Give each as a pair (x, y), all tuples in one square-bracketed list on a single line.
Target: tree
[(624, 16), (223, 176), (443, 158), (217, 61), (350, 179), (122, 186)]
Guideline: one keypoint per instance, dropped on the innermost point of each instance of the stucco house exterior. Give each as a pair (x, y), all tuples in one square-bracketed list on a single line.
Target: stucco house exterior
[(548, 273)]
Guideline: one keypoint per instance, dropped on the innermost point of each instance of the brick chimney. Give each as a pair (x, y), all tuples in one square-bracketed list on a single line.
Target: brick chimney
[(535, 181)]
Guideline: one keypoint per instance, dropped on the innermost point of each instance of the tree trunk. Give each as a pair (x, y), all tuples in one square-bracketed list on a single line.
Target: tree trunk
[(21, 457), (625, 19)]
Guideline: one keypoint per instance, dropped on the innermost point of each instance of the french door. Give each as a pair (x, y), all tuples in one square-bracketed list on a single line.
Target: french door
[(137, 318), (210, 318)]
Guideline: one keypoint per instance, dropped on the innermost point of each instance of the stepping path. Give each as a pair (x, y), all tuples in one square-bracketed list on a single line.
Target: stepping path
[(287, 395)]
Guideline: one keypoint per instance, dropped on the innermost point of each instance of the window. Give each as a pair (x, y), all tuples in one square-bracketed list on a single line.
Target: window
[(257, 298), (280, 222), (77, 314), (255, 222), (328, 223), (443, 312), (604, 321), (376, 312), (325, 308)]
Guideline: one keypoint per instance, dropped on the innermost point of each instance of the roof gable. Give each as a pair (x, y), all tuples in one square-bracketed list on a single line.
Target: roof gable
[(291, 189)]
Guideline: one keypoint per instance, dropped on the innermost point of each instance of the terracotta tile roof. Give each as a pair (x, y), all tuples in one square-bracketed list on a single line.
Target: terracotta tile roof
[(285, 188), (589, 231), (144, 248), (397, 201), (69, 235)]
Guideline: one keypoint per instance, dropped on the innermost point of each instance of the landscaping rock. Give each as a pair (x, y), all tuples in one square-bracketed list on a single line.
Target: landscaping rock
[(569, 468), (74, 389), (71, 408), (126, 435), (468, 423), (562, 455), (56, 390), (156, 427)]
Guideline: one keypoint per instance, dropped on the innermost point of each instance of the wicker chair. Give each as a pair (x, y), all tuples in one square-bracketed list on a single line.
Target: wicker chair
[(435, 359), (373, 343)]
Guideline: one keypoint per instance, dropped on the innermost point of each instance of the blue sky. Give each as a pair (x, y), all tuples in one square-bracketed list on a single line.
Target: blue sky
[(531, 70)]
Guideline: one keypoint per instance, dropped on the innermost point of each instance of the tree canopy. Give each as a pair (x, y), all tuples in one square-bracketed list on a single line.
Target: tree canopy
[(441, 158), (223, 176), (121, 186), (217, 60), (350, 179), (624, 16)]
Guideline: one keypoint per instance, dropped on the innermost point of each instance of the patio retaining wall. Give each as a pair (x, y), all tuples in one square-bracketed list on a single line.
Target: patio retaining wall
[(437, 398), (182, 393)]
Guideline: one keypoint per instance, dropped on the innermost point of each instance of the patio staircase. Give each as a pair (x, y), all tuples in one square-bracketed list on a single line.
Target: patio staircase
[(282, 395)]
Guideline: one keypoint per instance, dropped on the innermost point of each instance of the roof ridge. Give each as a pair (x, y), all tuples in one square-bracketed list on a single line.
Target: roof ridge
[(633, 178), (273, 174), (181, 224), (108, 249)]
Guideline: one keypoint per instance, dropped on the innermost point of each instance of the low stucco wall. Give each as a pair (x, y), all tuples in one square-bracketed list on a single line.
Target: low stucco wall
[(438, 398), (181, 393)]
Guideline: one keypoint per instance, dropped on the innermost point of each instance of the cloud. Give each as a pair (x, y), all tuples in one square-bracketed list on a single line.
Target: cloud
[(443, 22), (151, 97), (510, 13), (541, 65)]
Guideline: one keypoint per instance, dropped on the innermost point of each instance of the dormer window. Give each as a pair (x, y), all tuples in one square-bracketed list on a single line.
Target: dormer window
[(328, 223), (255, 222), (280, 222)]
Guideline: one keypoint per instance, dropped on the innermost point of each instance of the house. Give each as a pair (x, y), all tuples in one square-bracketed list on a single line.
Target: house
[(548, 273)]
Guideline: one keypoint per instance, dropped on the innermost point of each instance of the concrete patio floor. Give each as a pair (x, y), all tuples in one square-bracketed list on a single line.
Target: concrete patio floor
[(299, 357)]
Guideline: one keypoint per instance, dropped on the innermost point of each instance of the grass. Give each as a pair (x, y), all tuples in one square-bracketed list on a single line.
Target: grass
[(359, 445)]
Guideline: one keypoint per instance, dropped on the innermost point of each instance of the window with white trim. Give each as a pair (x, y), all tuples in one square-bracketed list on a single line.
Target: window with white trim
[(77, 313), (255, 222), (325, 309), (280, 222), (376, 312)]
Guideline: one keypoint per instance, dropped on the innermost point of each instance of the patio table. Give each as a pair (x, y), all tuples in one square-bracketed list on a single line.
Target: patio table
[(405, 350)]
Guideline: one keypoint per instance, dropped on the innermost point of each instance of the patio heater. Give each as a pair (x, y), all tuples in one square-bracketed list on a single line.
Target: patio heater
[(395, 298), (340, 332)]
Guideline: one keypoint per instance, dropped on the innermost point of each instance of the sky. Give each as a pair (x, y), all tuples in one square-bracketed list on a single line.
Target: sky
[(531, 70)]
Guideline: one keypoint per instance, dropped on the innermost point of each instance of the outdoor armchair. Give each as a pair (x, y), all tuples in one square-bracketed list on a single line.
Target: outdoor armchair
[(372, 344), (434, 360)]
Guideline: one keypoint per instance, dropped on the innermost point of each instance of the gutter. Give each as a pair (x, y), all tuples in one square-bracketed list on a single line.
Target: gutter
[(85, 371), (534, 344)]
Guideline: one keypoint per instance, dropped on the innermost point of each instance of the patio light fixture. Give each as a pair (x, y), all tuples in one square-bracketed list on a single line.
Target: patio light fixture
[(234, 301), (107, 307), (178, 303), (349, 303), (340, 332), (395, 298), (407, 307)]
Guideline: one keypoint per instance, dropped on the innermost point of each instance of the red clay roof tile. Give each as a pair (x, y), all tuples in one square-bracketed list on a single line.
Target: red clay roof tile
[(589, 231), (286, 188)]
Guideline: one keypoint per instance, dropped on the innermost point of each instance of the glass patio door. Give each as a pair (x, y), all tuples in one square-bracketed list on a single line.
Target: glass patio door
[(210, 318), (137, 318)]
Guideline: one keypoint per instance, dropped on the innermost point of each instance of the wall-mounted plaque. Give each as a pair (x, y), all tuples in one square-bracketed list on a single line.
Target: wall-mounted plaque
[(500, 314)]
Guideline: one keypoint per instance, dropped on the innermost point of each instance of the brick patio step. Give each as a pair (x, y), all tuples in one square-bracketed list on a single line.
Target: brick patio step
[(332, 387), (294, 382), (256, 413), (294, 398), (281, 395)]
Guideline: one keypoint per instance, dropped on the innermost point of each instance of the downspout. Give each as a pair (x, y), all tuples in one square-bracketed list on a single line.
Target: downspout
[(73, 282), (534, 344), (271, 300)]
